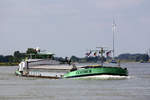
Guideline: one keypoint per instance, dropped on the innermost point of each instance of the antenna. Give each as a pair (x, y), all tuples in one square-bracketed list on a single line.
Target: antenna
[(113, 29), (148, 52)]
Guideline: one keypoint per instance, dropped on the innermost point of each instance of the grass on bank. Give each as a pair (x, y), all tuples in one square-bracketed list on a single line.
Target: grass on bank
[(8, 64)]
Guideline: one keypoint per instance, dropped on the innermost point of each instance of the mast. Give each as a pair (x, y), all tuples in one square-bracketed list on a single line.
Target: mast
[(113, 29), (101, 51), (149, 52)]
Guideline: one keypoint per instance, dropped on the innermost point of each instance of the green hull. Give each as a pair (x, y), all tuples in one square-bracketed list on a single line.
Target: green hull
[(97, 71)]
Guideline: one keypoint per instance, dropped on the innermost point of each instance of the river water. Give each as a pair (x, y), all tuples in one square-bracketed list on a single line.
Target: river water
[(136, 87)]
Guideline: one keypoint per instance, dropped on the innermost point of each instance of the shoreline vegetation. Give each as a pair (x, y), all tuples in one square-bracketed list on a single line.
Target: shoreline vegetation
[(17, 57), (8, 64)]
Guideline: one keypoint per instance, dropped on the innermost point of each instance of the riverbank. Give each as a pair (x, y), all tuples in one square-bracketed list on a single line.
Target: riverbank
[(8, 64), (132, 61)]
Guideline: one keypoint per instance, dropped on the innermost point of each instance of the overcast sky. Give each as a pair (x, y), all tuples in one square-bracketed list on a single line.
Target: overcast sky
[(70, 27)]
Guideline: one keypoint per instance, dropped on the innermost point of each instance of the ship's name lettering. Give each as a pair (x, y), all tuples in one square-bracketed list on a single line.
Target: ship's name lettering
[(83, 71)]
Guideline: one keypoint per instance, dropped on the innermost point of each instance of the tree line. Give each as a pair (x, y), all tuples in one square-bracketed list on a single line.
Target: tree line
[(18, 56), (134, 57)]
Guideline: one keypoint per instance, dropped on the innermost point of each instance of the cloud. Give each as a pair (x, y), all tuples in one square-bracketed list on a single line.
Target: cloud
[(116, 4), (70, 22), (145, 20), (63, 7)]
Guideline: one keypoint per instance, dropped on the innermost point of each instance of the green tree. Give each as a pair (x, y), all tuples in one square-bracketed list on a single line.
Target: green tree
[(1, 58), (17, 54), (9, 58), (31, 51), (74, 59), (145, 57)]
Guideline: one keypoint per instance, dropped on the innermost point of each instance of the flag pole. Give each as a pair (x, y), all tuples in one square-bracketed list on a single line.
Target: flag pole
[(113, 29)]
